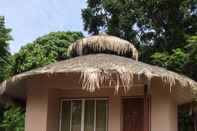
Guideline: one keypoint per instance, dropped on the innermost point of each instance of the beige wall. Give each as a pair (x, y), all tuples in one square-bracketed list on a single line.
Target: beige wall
[(43, 106), (163, 109), (36, 108)]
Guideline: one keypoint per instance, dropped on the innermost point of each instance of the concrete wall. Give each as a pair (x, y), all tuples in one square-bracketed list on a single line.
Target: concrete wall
[(43, 106), (163, 109), (36, 108)]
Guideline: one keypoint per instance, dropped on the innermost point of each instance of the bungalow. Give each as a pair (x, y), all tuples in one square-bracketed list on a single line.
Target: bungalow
[(102, 87)]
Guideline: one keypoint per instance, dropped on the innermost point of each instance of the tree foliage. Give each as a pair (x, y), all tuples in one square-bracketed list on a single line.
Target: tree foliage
[(190, 67), (13, 119), (44, 50), (159, 25), (4, 48), (182, 60), (174, 61)]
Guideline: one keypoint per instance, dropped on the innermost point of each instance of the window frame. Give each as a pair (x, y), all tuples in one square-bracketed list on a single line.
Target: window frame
[(83, 111)]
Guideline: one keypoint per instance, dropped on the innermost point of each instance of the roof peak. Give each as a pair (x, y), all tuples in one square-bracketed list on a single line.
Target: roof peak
[(103, 43)]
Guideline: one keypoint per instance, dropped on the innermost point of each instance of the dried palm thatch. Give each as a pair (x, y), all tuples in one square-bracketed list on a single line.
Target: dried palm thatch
[(103, 44), (98, 69)]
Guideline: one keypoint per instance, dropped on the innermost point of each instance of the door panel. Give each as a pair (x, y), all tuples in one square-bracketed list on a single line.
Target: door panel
[(133, 114)]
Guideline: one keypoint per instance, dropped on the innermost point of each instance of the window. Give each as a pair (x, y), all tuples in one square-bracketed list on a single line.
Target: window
[(84, 115)]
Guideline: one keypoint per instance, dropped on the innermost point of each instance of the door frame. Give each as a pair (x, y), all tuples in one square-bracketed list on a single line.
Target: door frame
[(147, 110)]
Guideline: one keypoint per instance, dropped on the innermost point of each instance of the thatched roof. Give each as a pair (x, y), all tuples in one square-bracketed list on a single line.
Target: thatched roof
[(107, 68), (102, 68), (103, 44)]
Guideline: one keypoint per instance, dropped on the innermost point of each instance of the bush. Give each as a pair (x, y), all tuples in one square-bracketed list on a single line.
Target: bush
[(13, 119)]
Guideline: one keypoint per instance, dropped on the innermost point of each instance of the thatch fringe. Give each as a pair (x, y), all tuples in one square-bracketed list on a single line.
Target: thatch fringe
[(103, 44), (17, 78), (93, 79)]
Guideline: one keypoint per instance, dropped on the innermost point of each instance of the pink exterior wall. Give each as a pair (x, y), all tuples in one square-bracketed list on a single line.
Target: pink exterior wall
[(36, 109), (163, 109), (43, 105)]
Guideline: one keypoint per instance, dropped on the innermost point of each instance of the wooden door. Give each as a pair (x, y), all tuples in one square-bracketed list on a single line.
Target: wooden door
[(133, 114)]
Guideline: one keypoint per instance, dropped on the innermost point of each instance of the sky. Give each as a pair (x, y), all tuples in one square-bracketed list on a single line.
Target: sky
[(30, 19)]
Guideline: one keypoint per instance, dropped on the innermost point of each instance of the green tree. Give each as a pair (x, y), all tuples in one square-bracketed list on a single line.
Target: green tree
[(44, 50), (174, 61), (13, 119), (190, 68), (182, 60), (4, 49), (152, 25)]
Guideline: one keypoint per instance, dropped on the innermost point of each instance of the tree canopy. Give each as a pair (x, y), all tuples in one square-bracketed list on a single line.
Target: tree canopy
[(182, 60), (44, 50), (4, 48), (156, 23)]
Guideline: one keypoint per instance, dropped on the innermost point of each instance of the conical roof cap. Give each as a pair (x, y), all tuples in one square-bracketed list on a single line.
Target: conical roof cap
[(103, 44)]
